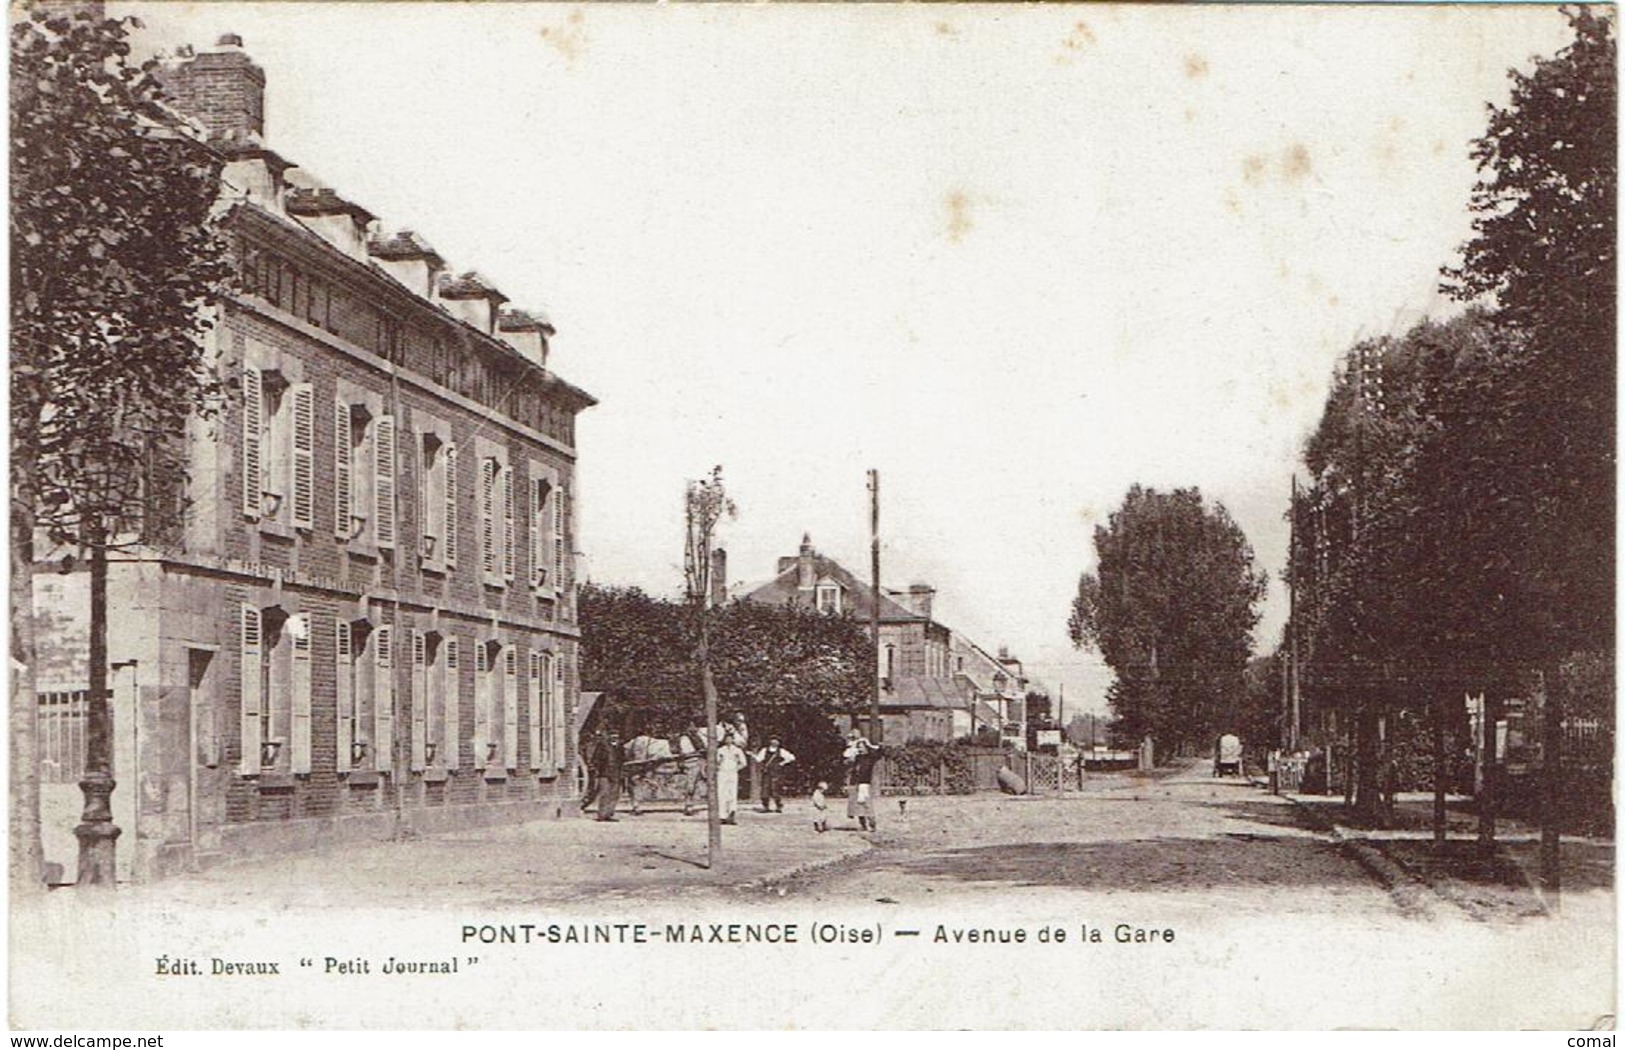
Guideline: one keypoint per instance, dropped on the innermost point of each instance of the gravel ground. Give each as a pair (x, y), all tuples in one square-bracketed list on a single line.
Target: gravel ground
[(1242, 850), (1187, 902)]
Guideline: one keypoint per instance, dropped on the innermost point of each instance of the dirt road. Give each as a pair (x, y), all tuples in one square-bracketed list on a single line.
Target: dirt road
[(1241, 849), (1170, 902)]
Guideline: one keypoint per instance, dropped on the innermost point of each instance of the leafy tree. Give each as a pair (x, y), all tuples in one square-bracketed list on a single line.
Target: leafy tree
[(113, 261), (1406, 575), (788, 668), (1171, 607), (1258, 720), (1543, 258)]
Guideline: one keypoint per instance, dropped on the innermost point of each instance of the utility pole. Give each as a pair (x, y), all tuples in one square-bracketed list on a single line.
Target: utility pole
[(1294, 709), (1489, 714), (1436, 706), (1551, 765), (876, 728)]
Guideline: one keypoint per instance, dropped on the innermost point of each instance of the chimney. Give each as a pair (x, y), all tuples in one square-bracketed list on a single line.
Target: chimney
[(919, 598), (337, 221), (471, 298), (221, 88), (719, 578), (527, 331), (806, 574), (409, 259)]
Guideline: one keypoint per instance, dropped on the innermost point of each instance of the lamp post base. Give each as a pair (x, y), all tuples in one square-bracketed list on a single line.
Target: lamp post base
[(98, 835)]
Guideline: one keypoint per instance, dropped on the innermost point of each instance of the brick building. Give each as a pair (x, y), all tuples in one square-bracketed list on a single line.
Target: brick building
[(932, 685), (365, 624)]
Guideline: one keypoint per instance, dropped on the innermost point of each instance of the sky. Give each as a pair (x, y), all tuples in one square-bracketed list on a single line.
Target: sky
[(1015, 258)]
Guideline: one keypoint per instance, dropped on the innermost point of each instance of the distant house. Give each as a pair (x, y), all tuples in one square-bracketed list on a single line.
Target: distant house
[(926, 691), (998, 683)]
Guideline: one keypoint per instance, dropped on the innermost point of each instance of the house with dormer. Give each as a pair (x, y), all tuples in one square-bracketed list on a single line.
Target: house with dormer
[(365, 623), (923, 695)]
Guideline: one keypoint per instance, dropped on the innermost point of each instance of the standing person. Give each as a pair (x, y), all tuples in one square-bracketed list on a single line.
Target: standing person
[(691, 752), (862, 758), (637, 753), (741, 731), (820, 805), (590, 760), (771, 760), (609, 775), (730, 760)]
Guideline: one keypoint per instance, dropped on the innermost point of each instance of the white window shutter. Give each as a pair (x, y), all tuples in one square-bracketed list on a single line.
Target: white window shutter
[(434, 725), (538, 532), (488, 538), (533, 711), (431, 505), (509, 554), (342, 451), (300, 629), (252, 649), (510, 706), (452, 694), (344, 675), (383, 698), (559, 496), (556, 704), (450, 540), (383, 487), (253, 445), (420, 699), (482, 704), (302, 458)]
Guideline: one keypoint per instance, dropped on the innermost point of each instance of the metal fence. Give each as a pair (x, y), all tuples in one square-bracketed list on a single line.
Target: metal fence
[(62, 722)]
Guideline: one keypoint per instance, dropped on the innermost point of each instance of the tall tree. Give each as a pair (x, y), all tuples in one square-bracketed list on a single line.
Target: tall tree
[(113, 262), (1543, 258), (1171, 607), (1405, 565), (705, 504)]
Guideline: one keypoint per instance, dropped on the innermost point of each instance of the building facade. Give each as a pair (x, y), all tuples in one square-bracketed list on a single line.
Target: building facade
[(930, 676), (997, 682), (365, 623)]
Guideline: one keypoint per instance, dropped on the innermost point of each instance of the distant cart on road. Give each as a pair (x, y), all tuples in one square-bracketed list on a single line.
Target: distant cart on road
[(1227, 756)]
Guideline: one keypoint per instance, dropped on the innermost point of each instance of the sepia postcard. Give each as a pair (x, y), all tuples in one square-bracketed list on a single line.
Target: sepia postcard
[(812, 516)]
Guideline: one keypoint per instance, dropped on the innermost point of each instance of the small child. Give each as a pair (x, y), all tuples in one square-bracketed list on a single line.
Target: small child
[(820, 807)]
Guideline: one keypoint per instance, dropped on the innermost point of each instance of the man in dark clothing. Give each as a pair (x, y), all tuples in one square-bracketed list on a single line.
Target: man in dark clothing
[(604, 764), (862, 759), (771, 760)]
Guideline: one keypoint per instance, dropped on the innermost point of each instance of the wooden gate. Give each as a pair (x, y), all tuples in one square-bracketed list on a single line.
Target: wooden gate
[(1050, 774)]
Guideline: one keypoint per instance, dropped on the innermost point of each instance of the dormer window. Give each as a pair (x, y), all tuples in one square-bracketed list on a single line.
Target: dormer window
[(828, 597)]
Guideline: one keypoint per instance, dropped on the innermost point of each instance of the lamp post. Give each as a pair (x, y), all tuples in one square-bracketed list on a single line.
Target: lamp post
[(96, 832)]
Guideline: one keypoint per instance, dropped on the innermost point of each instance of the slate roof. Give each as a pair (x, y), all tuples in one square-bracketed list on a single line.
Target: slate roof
[(782, 590), (917, 692)]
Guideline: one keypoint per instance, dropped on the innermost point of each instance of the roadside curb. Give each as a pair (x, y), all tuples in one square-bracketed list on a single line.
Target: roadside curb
[(1414, 897), (802, 872)]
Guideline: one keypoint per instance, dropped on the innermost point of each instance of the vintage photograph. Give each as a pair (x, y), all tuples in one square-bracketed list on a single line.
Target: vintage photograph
[(811, 516)]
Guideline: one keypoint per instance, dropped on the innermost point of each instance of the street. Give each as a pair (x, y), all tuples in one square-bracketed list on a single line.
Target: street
[(1223, 843), (1185, 901)]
